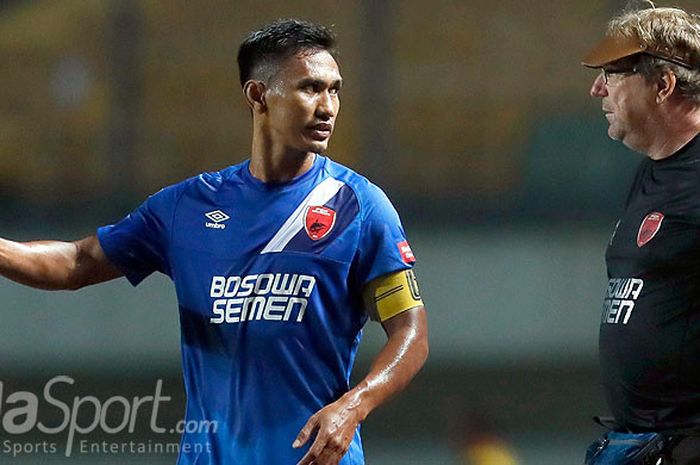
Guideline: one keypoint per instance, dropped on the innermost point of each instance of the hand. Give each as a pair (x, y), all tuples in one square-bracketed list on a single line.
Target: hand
[(335, 426)]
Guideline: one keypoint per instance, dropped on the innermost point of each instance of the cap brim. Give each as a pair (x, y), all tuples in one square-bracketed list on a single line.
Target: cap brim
[(612, 48)]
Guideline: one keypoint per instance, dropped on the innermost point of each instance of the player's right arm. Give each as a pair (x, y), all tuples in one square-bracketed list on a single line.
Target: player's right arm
[(56, 265)]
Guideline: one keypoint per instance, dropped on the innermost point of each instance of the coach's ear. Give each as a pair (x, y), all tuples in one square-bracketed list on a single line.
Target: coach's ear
[(254, 92), (666, 84)]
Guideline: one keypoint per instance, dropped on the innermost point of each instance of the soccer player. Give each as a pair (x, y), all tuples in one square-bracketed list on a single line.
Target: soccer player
[(649, 86), (278, 262)]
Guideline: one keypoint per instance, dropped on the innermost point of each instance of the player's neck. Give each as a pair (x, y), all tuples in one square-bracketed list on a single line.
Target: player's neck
[(278, 166)]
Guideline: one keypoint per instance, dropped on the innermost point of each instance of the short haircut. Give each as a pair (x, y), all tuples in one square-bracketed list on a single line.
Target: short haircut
[(665, 32), (264, 49)]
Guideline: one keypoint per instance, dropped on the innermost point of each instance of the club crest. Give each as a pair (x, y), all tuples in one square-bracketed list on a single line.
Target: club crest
[(650, 226), (319, 222)]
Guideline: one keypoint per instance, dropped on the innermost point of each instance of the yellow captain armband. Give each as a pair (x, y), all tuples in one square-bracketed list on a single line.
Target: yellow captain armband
[(391, 294)]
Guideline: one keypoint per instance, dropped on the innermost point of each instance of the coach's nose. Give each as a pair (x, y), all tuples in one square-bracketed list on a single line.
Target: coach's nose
[(599, 88)]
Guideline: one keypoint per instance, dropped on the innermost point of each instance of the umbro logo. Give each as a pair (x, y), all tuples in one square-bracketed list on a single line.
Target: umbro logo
[(217, 217)]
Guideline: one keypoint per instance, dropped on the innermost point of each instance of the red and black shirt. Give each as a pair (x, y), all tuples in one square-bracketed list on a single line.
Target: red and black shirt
[(650, 326)]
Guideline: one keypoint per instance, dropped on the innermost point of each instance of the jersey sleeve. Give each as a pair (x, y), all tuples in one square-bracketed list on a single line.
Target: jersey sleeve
[(383, 246), (138, 244)]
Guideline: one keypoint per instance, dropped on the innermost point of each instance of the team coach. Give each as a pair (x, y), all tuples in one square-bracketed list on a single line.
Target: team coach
[(649, 88)]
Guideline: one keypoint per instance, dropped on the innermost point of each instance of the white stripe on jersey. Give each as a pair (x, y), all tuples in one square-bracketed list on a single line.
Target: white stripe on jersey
[(317, 197)]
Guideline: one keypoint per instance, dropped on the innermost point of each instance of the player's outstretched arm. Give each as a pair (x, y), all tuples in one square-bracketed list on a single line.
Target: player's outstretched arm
[(400, 359), (56, 265)]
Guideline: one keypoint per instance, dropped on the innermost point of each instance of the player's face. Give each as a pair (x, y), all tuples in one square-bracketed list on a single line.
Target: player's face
[(303, 102), (628, 101)]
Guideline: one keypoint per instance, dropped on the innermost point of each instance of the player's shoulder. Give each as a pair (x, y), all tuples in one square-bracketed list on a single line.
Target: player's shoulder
[(212, 181), (217, 180), (206, 183)]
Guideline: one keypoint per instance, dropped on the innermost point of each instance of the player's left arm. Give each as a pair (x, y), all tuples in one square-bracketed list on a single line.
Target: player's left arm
[(404, 320)]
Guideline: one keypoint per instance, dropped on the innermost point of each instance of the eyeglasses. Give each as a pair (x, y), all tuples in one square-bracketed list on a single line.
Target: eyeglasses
[(607, 73)]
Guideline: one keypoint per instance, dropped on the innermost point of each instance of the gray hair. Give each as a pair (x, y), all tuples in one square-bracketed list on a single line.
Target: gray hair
[(671, 37)]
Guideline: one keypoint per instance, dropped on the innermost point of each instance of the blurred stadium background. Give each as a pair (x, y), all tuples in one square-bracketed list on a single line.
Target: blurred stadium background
[(473, 115)]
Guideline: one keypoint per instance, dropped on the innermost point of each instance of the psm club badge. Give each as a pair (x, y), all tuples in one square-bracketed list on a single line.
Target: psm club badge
[(650, 226), (319, 222)]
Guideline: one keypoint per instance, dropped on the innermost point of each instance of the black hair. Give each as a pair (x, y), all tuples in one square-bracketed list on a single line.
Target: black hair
[(279, 40)]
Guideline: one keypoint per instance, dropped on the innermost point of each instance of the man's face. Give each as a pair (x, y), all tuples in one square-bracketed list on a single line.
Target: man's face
[(628, 101), (303, 102)]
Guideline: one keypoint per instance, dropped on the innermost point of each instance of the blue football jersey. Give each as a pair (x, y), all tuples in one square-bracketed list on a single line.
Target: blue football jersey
[(269, 281)]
